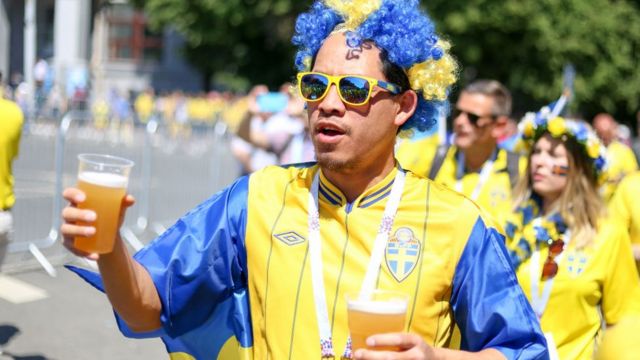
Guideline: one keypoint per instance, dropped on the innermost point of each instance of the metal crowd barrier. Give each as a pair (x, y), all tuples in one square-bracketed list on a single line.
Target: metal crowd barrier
[(166, 182), (35, 246)]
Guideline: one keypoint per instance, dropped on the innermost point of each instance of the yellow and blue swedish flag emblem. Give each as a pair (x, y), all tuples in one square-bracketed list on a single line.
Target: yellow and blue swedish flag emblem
[(402, 253)]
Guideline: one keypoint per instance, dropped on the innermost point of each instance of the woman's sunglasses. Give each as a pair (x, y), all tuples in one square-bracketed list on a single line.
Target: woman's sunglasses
[(352, 89), (550, 267)]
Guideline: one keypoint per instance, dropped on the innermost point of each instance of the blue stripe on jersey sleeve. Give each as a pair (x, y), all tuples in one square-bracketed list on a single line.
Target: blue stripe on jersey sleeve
[(200, 261), (199, 269), (488, 303)]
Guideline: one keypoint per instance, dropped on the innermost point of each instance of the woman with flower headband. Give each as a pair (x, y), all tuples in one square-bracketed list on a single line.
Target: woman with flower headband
[(574, 264)]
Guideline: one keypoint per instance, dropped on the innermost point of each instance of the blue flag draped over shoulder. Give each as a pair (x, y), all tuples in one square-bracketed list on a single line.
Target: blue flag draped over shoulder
[(226, 334)]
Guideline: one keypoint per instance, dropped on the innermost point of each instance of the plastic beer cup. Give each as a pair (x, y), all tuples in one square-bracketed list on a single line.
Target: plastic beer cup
[(103, 179), (384, 312)]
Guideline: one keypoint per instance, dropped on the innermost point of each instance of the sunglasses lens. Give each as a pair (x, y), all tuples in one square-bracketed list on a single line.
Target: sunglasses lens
[(354, 90), (473, 118), (313, 86), (556, 247), (549, 270)]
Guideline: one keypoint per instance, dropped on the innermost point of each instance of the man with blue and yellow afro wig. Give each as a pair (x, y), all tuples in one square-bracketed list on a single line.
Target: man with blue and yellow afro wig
[(269, 266), (406, 37)]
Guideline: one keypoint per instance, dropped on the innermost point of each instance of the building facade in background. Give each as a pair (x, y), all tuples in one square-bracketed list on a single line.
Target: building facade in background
[(89, 48)]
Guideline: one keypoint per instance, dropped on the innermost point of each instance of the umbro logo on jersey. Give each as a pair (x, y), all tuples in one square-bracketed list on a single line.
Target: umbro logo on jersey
[(290, 238)]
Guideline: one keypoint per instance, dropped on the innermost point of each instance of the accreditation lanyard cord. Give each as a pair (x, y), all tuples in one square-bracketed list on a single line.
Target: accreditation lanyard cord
[(315, 250), (484, 176), (539, 302)]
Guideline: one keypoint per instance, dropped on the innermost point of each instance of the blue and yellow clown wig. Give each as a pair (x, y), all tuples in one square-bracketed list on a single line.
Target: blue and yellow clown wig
[(403, 32)]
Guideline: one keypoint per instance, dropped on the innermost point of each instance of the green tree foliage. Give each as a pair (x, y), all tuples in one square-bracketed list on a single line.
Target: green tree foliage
[(525, 44), (249, 39)]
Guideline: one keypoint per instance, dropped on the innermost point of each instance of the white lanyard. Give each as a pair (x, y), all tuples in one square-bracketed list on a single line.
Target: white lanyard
[(539, 302), (322, 314), (484, 176)]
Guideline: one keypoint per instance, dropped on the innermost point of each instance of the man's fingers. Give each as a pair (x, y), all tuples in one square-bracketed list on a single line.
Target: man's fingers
[(363, 354), (128, 200), (69, 244), (73, 214), (74, 195), (400, 340), (406, 345), (71, 230)]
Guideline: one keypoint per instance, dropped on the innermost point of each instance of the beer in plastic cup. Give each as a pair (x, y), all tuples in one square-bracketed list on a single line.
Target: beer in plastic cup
[(384, 312), (103, 179)]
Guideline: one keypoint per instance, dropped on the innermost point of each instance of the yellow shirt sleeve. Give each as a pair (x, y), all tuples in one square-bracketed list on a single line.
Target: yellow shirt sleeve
[(417, 155), (621, 286)]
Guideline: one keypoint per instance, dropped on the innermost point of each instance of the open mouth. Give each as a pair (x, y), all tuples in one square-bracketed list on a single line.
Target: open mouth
[(330, 131)]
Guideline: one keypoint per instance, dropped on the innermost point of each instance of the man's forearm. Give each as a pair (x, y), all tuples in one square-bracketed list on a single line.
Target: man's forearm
[(130, 289)]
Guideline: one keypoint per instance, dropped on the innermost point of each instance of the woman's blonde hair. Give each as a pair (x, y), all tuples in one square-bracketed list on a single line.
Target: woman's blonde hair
[(580, 203)]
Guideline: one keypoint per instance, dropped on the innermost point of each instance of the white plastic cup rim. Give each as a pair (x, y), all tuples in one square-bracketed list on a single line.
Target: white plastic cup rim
[(105, 160)]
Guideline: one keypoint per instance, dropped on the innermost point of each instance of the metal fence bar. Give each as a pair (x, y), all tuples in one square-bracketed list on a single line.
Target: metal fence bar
[(128, 234), (143, 214), (34, 246), (176, 171)]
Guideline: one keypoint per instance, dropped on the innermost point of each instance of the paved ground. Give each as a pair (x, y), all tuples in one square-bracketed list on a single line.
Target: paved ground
[(63, 318)]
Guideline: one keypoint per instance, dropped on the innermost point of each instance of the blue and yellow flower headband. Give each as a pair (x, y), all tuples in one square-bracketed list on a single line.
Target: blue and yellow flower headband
[(534, 125), (402, 30)]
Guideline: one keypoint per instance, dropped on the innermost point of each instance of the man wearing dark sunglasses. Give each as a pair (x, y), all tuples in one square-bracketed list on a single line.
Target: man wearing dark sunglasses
[(265, 265), (475, 165)]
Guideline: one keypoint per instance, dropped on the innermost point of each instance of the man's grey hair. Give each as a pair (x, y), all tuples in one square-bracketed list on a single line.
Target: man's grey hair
[(493, 88)]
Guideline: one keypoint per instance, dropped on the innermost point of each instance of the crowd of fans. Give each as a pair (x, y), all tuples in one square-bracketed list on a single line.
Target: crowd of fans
[(484, 158)]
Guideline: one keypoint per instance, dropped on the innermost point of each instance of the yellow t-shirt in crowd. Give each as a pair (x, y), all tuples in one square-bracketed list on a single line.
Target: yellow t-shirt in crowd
[(625, 207), (495, 194), (417, 155), (11, 119), (621, 162), (621, 341), (144, 107), (595, 283)]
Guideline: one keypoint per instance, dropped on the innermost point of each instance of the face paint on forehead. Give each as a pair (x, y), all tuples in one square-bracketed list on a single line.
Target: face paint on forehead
[(356, 45)]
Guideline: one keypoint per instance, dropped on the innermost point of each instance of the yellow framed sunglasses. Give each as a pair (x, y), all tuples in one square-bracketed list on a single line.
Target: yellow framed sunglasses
[(352, 89)]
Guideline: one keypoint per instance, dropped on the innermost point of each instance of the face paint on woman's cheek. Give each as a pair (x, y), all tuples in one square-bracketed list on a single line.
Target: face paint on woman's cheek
[(560, 170)]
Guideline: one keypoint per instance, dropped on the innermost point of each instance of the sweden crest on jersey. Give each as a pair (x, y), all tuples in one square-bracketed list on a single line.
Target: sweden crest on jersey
[(402, 253)]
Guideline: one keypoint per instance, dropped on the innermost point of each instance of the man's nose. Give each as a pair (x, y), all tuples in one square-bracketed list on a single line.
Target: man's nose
[(332, 104), (461, 120)]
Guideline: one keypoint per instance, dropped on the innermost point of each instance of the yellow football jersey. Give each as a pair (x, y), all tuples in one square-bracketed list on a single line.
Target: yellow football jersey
[(495, 194), (417, 155), (235, 271), (593, 284), (625, 207), (10, 130), (621, 162)]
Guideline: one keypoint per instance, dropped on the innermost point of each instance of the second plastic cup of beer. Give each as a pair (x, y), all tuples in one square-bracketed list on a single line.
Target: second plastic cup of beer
[(384, 312), (103, 179)]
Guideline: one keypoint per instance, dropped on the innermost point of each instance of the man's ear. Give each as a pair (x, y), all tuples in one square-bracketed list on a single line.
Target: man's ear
[(500, 127), (408, 102)]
